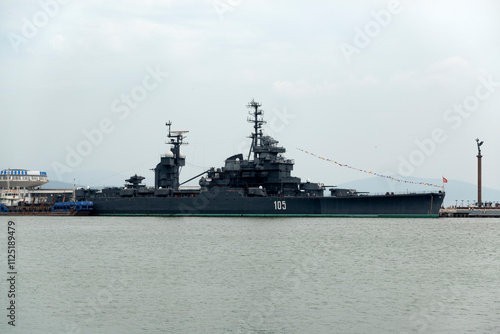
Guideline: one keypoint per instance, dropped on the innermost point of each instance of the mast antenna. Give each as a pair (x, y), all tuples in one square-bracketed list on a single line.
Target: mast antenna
[(257, 120), (176, 138)]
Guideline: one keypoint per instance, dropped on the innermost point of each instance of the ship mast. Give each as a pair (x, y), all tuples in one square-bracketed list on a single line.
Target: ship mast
[(257, 121), (176, 139)]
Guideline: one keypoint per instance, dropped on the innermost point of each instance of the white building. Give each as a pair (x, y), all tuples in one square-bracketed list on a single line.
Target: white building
[(22, 178)]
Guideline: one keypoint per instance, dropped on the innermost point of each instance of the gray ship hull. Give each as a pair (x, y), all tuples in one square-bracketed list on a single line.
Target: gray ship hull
[(217, 204)]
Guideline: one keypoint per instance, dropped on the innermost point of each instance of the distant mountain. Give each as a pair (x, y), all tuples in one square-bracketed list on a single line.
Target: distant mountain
[(457, 192), (96, 179)]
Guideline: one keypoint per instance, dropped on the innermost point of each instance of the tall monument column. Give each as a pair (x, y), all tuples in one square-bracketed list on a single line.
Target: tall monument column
[(479, 176)]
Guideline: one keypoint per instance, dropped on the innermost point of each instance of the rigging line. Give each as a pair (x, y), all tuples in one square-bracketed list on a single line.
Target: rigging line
[(370, 172), (196, 166), (210, 142)]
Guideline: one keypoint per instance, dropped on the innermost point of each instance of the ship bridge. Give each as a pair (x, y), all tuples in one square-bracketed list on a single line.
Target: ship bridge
[(22, 178)]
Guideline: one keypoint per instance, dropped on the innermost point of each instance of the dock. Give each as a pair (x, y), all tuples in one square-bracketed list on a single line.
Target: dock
[(472, 212)]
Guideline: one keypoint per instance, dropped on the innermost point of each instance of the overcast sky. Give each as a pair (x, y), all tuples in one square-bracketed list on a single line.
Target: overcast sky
[(394, 87)]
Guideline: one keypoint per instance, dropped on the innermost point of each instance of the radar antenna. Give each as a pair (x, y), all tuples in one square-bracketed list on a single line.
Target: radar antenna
[(176, 139)]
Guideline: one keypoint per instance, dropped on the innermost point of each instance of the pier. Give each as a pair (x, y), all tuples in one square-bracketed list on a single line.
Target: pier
[(471, 212)]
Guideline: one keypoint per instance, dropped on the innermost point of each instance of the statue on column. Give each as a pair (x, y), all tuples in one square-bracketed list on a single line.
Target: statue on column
[(479, 146)]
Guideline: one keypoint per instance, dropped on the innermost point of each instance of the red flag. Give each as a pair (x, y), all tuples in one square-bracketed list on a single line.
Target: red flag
[(445, 180)]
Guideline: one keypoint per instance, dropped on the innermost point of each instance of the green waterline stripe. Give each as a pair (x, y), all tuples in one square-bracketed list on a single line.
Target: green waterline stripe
[(264, 215)]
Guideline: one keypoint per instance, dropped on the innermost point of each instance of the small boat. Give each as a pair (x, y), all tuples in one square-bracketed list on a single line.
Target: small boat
[(78, 208)]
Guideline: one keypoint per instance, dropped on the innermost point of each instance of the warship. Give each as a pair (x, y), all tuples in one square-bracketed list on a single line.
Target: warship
[(260, 184)]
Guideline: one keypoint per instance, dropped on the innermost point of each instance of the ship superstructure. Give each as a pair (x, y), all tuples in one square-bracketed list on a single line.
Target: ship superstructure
[(266, 172), (168, 170)]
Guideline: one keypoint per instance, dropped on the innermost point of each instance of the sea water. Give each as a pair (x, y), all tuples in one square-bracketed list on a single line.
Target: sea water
[(250, 275)]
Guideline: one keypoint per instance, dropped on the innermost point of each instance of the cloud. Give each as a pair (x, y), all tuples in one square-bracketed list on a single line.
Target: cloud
[(58, 42), (304, 88), (443, 73)]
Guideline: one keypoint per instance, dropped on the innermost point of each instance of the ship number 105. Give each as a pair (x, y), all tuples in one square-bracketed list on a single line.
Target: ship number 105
[(279, 205)]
